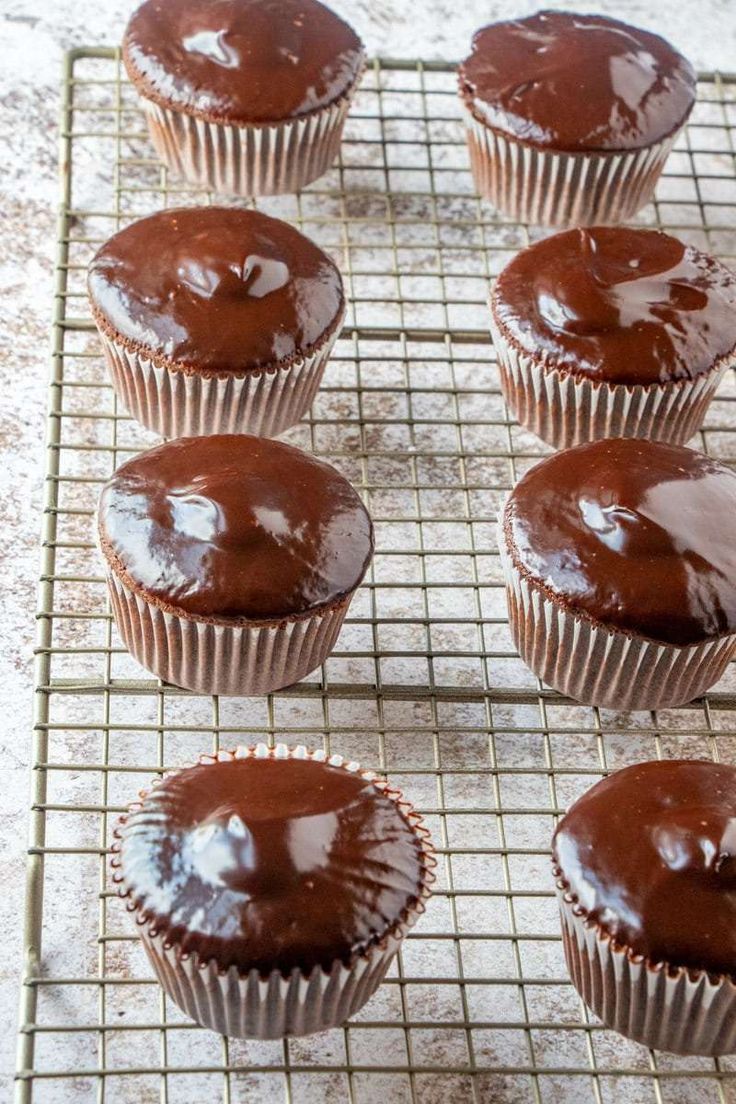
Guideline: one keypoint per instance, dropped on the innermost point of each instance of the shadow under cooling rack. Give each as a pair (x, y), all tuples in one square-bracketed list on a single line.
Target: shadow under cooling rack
[(424, 684)]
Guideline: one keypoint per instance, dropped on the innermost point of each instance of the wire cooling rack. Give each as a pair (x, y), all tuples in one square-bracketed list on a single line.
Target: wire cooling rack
[(424, 684)]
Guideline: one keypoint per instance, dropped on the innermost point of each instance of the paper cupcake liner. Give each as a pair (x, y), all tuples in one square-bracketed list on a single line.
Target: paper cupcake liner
[(554, 188), (174, 403), (266, 1009), (249, 1005), (566, 411), (666, 1008), (270, 159), (218, 658), (599, 666)]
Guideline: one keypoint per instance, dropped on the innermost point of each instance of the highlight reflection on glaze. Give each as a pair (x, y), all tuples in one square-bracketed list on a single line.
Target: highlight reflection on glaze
[(638, 535), (628, 306), (650, 853), (577, 82), (213, 45), (271, 864), (235, 527), (242, 60), (219, 289)]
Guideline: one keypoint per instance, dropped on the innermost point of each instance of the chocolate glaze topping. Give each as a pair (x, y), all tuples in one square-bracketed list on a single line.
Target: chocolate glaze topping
[(637, 535), (267, 863), (621, 305), (234, 527), (245, 61), (216, 290), (650, 855), (577, 82)]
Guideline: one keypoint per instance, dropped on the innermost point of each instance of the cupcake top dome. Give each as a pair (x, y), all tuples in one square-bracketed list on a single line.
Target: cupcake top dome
[(637, 535), (272, 862), (573, 82), (649, 854), (618, 304), (215, 290), (244, 61), (234, 528)]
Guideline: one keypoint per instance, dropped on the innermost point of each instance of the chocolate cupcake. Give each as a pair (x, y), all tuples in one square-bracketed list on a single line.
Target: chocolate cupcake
[(244, 96), (215, 320), (231, 561), (620, 564), (570, 118), (613, 332), (272, 887), (645, 863)]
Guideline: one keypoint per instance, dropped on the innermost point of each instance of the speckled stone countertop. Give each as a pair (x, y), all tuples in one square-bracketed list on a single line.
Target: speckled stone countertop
[(34, 34)]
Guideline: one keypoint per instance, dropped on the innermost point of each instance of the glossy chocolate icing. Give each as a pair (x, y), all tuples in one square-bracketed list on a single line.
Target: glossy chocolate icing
[(577, 82), (617, 304), (650, 855), (267, 863), (244, 61), (637, 535), (234, 527), (216, 290)]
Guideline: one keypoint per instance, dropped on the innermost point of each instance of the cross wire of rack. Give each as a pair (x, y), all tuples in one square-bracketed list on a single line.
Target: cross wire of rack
[(424, 684)]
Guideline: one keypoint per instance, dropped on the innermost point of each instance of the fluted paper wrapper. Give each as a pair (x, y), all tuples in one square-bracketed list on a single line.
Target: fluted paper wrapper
[(248, 160), (178, 404), (219, 658), (684, 1011), (566, 411), (249, 1005), (258, 1008), (600, 666), (554, 188)]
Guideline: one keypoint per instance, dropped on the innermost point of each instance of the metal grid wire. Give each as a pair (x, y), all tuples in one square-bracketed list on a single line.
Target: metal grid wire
[(424, 684)]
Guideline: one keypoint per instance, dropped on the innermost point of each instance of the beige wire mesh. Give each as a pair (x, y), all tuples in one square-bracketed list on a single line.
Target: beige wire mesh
[(424, 684)]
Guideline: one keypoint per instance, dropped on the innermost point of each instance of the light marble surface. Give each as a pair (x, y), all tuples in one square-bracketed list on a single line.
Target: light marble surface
[(34, 33)]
